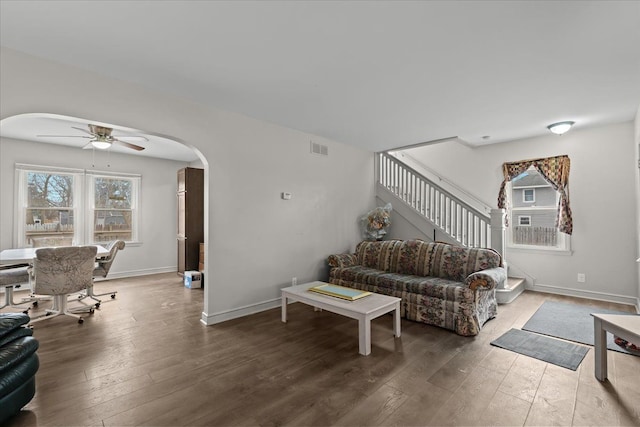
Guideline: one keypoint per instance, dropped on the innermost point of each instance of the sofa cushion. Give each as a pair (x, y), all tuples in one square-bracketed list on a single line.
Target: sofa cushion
[(412, 257), (12, 321), (15, 334), (16, 351), (342, 260), (356, 274), (377, 254), (19, 374), (457, 262)]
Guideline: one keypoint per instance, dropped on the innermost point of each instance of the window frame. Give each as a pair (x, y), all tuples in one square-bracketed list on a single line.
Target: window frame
[(21, 201), (524, 195), (563, 245), (521, 217), (91, 204)]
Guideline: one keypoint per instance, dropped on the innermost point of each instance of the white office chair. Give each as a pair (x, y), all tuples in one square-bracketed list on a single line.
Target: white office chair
[(102, 270), (60, 272), (14, 277)]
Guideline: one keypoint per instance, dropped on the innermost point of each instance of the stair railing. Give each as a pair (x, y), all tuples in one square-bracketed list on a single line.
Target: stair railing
[(453, 216)]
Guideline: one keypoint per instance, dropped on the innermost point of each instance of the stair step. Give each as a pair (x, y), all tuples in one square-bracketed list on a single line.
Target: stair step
[(511, 290), (513, 282)]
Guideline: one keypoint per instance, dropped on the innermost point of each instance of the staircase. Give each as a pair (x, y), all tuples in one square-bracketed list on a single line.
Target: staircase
[(434, 210)]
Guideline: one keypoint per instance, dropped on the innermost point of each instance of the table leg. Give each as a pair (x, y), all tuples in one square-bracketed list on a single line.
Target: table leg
[(396, 320), (284, 308), (364, 334), (600, 349)]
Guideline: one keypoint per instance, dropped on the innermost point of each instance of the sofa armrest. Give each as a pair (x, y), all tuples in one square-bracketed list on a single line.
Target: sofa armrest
[(342, 260), (490, 278)]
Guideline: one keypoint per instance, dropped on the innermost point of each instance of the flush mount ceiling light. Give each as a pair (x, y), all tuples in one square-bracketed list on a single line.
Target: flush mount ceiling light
[(560, 127)]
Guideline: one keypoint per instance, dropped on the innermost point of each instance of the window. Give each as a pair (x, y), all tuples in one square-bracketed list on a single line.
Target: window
[(524, 220), (533, 211), (113, 206), (551, 222), (529, 195), (58, 206)]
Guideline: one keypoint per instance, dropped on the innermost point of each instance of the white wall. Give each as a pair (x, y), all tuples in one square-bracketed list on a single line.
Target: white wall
[(637, 187), (603, 201), (256, 242), (158, 202)]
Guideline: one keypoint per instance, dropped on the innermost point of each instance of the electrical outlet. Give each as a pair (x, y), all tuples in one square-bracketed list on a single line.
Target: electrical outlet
[(582, 277), (294, 281)]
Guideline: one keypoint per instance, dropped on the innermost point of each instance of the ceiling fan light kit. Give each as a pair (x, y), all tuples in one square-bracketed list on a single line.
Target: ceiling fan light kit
[(101, 144), (560, 127)]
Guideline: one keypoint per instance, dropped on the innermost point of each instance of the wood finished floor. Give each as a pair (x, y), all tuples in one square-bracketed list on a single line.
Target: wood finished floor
[(145, 359)]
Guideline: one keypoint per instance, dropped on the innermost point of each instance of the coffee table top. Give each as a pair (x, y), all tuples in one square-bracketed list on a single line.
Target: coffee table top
[(629, 322), (363, 305)]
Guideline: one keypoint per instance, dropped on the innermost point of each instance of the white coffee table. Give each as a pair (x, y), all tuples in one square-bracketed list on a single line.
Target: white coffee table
[(363, 310), (626, 327)]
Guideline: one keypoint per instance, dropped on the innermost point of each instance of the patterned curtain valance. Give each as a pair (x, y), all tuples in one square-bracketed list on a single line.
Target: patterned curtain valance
[(555, 170)]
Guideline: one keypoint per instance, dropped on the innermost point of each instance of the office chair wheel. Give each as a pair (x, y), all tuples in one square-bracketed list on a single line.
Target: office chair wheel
[(91, 310), (48, 313), (97, 305), (113, 296), (80, 321), (26, 311), (35, 303)]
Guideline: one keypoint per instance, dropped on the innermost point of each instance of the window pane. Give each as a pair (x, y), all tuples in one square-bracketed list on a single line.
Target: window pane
[(529, 195), (112, 193), (49, 190), (534, 211), (50, 225), (112, 225)]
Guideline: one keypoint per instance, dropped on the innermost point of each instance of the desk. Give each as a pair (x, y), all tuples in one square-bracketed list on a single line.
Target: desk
[(26, 255), (626, 327)]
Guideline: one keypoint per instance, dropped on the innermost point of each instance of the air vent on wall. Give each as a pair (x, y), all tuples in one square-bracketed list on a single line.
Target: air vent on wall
[(320, 149)]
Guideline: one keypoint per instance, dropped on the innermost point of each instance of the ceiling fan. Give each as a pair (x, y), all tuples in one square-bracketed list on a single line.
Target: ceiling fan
[(102, 139)]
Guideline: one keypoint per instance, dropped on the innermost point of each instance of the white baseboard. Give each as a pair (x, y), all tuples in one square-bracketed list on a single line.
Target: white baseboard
[(212, 319), (145, 272), (600, 296)]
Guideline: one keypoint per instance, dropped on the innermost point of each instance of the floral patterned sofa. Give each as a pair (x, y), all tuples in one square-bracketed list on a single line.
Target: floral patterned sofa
[(440, 284)]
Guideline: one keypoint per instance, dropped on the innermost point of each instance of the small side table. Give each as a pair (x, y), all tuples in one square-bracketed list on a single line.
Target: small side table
[(624, 326)]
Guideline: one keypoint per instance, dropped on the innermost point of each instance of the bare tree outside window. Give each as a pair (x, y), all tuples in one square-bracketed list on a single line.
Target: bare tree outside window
[(49, 213)]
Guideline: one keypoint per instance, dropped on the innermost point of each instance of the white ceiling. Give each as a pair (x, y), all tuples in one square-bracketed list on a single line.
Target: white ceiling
[(378, 75)]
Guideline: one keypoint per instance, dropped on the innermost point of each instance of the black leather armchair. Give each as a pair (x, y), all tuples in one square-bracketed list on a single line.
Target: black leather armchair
[(18, 364)]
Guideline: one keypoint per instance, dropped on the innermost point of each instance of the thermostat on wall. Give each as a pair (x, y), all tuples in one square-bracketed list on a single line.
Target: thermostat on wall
[(286, 196)]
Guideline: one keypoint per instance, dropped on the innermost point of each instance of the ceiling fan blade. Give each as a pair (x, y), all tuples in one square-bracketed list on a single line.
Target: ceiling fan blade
[(62, 136), (81, 129), (128, 145), (132, 138)]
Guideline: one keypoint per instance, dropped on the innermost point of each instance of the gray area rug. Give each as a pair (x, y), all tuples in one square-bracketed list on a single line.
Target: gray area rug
[(571, 322), (547, 349)]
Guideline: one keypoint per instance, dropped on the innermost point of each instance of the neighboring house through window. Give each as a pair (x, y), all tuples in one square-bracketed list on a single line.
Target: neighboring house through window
[(533, 210)]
